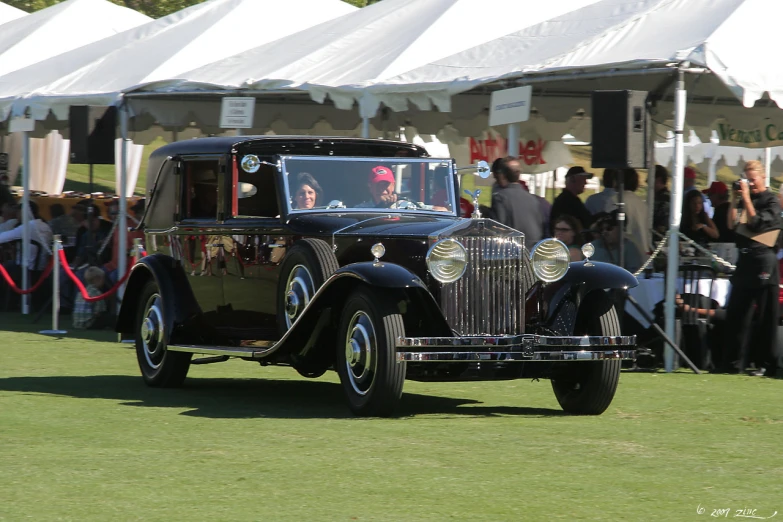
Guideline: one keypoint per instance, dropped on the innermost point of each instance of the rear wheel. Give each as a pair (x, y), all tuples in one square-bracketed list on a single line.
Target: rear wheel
[(159, 367), (366, 353), (587, 388)]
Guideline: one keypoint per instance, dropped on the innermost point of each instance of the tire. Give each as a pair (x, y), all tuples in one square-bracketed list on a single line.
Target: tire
[(307, 265), (587, 388), (159, 367), (366, 353)]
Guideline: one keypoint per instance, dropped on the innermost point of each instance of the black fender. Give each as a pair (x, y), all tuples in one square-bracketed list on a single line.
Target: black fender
[(178, 300), (310, 333), (563, 297)]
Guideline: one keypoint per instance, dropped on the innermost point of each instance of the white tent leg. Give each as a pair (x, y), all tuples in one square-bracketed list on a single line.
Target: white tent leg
[(712, 171), (768, 163), (513, 139), (25, 219), (365, 127), (122, 229), (678, 178), (651, 178)]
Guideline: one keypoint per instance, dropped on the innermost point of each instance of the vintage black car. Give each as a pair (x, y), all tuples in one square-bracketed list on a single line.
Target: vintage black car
[(348, 254)]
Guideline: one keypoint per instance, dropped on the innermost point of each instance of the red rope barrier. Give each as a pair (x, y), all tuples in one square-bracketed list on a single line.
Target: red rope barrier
[(81, 287), (36, 286)]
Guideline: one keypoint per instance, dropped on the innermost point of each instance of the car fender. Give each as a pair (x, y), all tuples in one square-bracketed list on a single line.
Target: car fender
[(562, 298), (305, 334), (179, 303)]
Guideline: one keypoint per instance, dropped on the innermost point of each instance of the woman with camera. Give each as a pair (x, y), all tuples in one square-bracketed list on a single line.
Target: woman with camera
[(755, 215)]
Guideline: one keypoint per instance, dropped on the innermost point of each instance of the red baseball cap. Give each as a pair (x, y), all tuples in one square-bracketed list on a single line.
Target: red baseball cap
[(717, 187), (690, 173), (381, 173)]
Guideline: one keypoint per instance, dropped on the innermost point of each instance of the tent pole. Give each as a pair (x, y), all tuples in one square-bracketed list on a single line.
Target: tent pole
[(365, 127), (513, 139), (768, 163), (672, 266), (25, 219), (122, 229), (650, 174)]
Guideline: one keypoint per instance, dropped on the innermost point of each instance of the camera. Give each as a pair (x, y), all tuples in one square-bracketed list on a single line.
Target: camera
[(737, 185)]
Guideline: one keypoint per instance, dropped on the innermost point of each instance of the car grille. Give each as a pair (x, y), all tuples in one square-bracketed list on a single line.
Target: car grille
[(489, 298)]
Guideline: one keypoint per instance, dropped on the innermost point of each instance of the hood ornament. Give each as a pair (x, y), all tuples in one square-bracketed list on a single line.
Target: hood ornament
[(475, 195)]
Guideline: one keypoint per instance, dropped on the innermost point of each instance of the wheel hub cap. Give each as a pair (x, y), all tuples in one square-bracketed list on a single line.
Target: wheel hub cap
[(299, 290), (361, 352)]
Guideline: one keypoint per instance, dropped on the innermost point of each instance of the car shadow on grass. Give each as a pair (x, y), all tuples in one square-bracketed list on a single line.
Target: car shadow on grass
[(249, 398)]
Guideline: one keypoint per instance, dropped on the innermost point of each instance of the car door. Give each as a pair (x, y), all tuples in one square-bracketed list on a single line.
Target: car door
[(199, 233), (254, 244)]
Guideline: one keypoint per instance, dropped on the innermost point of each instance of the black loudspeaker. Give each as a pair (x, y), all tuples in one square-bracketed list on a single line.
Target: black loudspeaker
[(93, 131), (620, 129)]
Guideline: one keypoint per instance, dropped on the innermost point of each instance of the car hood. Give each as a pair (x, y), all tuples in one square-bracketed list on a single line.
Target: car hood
[(371, 224)]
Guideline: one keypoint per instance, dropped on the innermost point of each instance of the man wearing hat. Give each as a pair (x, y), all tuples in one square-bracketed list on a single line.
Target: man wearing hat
[(718, 193), (380, 182), (568, 201)]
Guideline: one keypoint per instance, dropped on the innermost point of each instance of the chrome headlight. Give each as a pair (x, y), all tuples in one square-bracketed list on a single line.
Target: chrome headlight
[(447, 260), (550, 259)]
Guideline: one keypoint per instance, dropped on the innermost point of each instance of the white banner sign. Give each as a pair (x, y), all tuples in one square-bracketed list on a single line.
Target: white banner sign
[(510, 106), (21, 125), (237, 113), (535, 154)]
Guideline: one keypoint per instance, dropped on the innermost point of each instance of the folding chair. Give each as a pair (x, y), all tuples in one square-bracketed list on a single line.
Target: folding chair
[(696, 286)]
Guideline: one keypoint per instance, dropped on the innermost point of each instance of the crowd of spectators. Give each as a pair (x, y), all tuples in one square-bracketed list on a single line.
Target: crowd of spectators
[(90, 242)]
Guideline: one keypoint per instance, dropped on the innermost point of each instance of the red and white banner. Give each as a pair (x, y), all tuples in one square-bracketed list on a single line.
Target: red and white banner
[(535, 154)]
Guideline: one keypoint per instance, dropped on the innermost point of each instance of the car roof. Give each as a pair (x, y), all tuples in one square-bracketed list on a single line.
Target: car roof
[(224, 144)]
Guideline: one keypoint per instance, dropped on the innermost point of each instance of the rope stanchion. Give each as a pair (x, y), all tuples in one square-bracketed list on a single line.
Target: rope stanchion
[(36, 286), (57, 248), (655, 253), (81, 286)]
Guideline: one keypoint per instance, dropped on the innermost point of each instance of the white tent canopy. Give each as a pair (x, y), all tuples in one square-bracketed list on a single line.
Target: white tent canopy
[(369, 45), (61, 28), (8, 13), (96, 74)]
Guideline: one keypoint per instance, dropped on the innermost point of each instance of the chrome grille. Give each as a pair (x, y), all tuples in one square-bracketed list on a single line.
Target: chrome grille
[(489, 298)]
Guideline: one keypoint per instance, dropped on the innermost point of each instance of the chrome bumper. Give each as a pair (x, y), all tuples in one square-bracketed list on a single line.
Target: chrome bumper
[(516, 348)]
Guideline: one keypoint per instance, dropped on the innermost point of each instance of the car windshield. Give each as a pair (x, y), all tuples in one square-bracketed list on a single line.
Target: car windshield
[(324, 183)]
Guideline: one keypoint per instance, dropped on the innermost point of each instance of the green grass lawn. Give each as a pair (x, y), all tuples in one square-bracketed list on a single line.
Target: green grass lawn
[(82, 438)]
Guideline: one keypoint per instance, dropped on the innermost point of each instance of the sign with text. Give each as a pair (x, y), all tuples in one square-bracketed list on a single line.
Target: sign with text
[(768, 133), (510, 106), (237, 113)]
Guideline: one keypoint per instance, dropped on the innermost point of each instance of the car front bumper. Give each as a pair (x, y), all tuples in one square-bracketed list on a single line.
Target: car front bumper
[(516, 348)]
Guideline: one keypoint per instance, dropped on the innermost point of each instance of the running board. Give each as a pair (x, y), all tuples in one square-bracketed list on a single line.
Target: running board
[(251, 352), (210, 360)]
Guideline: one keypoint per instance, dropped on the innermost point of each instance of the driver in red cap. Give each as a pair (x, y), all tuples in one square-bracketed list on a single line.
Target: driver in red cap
[(381, 184)]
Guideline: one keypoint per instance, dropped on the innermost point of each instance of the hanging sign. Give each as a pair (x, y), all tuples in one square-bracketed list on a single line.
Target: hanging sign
[(767, 134), (535, 154), (510, 106), (237, 113)]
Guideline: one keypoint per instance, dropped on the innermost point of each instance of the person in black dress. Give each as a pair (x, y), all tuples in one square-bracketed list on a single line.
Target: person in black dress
[(696, 224)]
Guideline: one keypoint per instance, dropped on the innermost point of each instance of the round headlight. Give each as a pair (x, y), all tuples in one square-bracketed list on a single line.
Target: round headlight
[(550, 260), (447, 260)]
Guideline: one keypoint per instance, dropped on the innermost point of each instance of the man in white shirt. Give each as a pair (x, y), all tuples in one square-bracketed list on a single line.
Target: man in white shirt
[(8, 216), (39, 231), (604, 201)]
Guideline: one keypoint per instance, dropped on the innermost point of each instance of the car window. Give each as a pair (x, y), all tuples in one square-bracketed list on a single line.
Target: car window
[(255, 194), (200, 189), (318, 183)]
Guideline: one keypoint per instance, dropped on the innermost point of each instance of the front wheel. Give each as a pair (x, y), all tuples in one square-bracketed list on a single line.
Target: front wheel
[(366, 353), (159, 367), (587, 388)]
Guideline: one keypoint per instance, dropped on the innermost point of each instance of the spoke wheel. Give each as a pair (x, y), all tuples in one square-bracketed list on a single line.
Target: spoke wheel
[(159, 367), (366, 353), (587, 388)]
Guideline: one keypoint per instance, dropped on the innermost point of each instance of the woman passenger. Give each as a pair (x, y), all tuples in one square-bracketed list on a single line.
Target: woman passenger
[(308, 191)]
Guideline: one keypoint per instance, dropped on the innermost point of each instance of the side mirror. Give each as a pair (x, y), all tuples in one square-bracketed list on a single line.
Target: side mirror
[(482, 169)]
